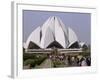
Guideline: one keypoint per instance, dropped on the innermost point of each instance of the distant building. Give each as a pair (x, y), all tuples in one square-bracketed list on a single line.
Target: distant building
[(82, 45), (52, 33)]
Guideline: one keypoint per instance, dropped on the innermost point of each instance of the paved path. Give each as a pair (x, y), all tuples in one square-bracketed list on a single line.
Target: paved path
[(46, 64)]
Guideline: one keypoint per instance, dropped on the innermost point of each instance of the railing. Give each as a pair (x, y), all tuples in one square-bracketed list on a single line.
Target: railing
[(49, 50)]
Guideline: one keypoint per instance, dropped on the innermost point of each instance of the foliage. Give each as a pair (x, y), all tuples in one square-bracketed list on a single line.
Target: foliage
[(30, 61), (58, 63), (33, 59), (28, 56)]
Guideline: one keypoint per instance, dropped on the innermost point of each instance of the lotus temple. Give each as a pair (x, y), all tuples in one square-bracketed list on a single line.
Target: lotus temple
[(53, 34)]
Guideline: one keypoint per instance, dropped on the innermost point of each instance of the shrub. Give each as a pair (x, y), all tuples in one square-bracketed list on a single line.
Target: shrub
[(33, 59), (40, 60), (30, 61), (28, 56)]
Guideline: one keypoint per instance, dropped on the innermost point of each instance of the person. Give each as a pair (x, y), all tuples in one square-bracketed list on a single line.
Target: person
[(77, 61), (66, 60), (88, 61), (74, 61), (83, 62), (69, 60), (50, 56)]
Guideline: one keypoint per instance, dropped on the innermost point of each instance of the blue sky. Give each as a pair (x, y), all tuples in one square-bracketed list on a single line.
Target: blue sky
[(79, 22)]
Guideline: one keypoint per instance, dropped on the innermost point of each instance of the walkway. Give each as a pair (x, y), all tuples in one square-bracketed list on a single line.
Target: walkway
[(46, 64)]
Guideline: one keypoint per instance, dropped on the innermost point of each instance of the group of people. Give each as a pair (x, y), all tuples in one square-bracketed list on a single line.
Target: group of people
[(79, 60), (59, 57), (72, 60)]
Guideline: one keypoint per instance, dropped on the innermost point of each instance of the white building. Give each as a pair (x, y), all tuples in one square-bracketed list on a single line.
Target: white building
[(52, 33)]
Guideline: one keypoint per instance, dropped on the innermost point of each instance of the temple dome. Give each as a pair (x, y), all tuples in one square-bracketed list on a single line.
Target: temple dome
[(52, 33)]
